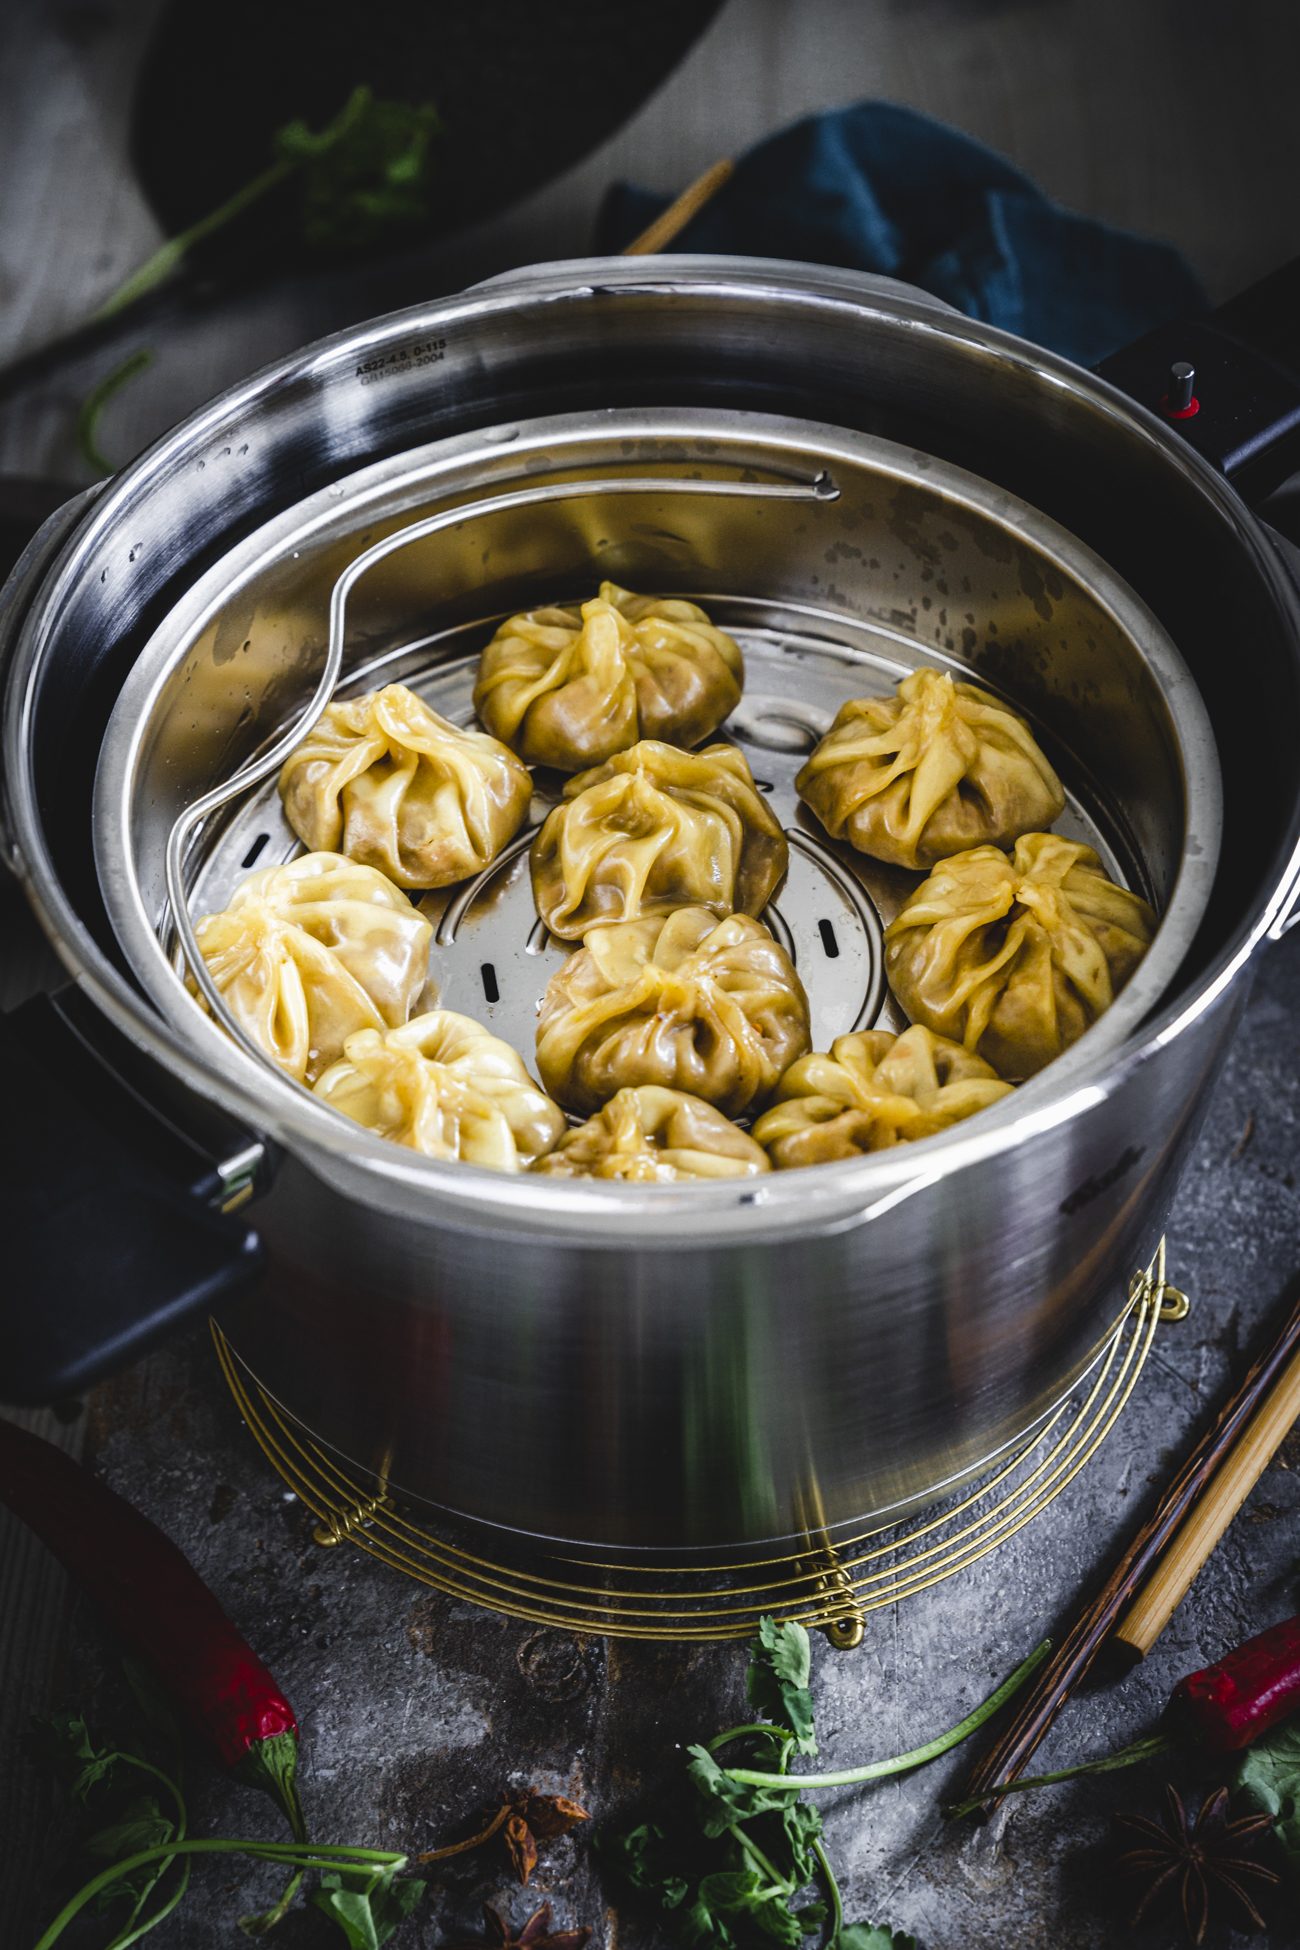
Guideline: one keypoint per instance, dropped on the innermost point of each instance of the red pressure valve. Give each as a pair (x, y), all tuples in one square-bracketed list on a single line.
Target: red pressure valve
[(1180, 402)]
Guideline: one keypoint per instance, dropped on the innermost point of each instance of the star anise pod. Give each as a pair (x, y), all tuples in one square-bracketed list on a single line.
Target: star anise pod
[(1196, 1859), (523, 1821), (537, 1818), (536, 1934)]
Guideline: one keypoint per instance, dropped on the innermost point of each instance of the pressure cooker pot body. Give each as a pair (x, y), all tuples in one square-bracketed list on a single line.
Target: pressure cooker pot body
[(674, 1381), (676, 1396)]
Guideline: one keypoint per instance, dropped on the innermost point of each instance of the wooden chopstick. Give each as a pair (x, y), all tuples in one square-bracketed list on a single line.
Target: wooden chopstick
[(1237, 1475), (1217, 1470), (670, 222)]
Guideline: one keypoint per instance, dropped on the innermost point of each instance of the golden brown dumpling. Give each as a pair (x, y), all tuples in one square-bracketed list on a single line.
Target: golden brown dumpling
[(446, 1086), (1016, 957), (694, 1003), (652, 829), (569, 687), (308, 953), (936, 768), (385, 780), (652, 1136), (874, 1090)]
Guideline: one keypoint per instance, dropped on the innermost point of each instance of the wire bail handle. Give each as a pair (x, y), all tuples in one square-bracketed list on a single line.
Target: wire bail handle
[(820, 488)]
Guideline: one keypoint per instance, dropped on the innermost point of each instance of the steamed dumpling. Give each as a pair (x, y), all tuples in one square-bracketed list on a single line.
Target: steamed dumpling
[(1016, 957), (650, 1136), (569, 687), (652, 829), (308, 953), (694, 1003), (385, 780), (874, 1090), (446, 1086), (936, 768)]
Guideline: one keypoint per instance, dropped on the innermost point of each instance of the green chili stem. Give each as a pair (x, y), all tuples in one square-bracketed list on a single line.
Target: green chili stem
[(309, 1856), (258, 1925), (1154, 1743), (902, 1763)]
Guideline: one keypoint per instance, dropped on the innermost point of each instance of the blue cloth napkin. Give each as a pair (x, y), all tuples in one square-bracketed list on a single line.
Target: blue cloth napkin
[(879, 188)]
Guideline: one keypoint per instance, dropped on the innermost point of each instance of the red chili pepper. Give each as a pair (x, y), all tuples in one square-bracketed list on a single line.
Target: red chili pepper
[(155, 1601), (1227, 1706), (1253, 1687)]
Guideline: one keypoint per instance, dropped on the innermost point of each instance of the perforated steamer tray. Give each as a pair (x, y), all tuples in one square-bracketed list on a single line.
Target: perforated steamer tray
[(492, 957), (895, 561)]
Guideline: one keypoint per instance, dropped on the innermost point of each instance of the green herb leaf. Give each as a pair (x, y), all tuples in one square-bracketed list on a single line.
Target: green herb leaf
[(780, 1666), (66, 1734), (744, 1892), (803, 1826), (141, 1827), (1268, 1776), (365, 176), (367, 1908), (142, 1824), (701, 1925), (873, 1936), (74, 1753), (642, 1856), (727, 1801), (100, 1767)]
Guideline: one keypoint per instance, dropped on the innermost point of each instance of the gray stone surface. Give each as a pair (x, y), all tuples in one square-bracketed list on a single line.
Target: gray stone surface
[(417, 1709), (1175, 120)]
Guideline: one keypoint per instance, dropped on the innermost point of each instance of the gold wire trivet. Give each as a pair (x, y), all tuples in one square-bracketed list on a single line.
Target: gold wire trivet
[(831, 1585)]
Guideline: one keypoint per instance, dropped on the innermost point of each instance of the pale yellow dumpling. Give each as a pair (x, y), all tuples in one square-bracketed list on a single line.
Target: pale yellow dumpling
[(1016, 956), (306, 954), (653, 1136), (570, 686), (444, 1085), (713, 1007), (872, 1091), (938, 767), (653, 829), (387, 781)]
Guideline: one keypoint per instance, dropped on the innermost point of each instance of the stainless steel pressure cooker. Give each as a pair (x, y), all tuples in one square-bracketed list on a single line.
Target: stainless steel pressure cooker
[(854, 480)]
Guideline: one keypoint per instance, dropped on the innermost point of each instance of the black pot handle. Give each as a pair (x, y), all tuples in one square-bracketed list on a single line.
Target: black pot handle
[(1228, 381), (118, 1226)]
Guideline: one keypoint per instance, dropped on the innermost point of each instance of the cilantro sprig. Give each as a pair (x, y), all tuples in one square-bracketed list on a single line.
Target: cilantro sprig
[(740, 1861), (364, 178), (133, 1795)]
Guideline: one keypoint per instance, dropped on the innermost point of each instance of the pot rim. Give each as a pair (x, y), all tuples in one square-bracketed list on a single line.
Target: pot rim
[(846, 1194), (438, 468)]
